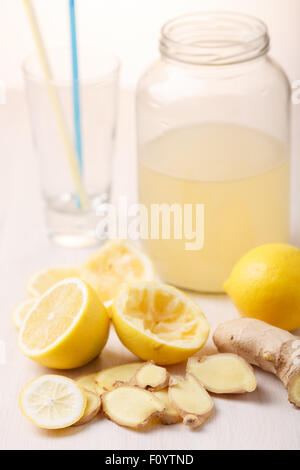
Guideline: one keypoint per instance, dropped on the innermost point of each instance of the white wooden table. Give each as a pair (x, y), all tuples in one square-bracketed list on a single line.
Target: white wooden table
[(261, 420)]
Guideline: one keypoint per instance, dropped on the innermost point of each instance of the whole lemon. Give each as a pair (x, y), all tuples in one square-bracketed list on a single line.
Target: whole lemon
[(265, 284)]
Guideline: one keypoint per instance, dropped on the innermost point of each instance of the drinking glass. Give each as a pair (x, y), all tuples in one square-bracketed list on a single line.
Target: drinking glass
[(67, 223)]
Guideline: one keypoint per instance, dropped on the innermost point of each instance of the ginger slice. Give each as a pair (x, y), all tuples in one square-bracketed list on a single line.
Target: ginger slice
[(151, 377), (93, 405), (170, 415), (294, 390), (191, 400), (274, 350), (130, 406), (107, 379), (223, 373), (88, 382)]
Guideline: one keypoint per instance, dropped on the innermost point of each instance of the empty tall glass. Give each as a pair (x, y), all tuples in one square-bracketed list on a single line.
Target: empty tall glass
[(67, 222)]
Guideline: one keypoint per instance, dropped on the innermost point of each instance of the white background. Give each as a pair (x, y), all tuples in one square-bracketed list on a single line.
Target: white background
[(131, 29), (261, 420)]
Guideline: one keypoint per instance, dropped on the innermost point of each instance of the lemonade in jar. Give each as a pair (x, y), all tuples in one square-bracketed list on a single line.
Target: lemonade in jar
[(213, 132)]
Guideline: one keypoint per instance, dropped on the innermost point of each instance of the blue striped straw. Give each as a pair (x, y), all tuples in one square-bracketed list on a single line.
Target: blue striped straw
[(81, 197), (76, 92)]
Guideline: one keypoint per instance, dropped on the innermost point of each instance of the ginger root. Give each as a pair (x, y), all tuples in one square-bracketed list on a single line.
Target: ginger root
[(270, 348), (107, 379), (151, 377), (88, 381), (170, 415), (191, 400), (92, 408), (223, 373), (132, 407)]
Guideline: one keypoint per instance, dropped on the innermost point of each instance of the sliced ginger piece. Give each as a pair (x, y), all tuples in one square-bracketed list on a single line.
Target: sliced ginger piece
[(294, 390), (191, 400), (93, 405), (265, 346), (106, 379), (223, 373), (88, 381), (151, 377), (132, 407), (170, 415)]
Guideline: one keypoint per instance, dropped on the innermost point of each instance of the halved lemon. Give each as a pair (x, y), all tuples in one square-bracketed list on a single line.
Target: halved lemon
[(52, 402), (67, 327), (20, 311), (116, 263), (41, 281), (158, 322)]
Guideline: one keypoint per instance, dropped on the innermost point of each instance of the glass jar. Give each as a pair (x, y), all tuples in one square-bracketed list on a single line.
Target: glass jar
[(213, 148)]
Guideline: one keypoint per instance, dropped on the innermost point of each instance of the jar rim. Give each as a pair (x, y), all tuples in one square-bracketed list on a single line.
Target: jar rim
[(214, 38)]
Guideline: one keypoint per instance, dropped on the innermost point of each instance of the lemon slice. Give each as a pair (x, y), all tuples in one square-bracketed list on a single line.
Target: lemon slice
[(52, 402), (20, 311), (158, 322), (116, 263), (41, 281), (67, 327)]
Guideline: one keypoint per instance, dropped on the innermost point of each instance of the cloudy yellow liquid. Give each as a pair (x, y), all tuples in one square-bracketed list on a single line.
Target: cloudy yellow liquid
[(241, 175)]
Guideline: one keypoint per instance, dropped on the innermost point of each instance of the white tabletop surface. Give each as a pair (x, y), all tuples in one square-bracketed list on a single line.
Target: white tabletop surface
[(260, 420)]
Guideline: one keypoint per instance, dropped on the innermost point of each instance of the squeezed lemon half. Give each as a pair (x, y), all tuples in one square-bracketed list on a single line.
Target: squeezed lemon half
[(116, 263), (41, 281), (158, 322), (67, 327)]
